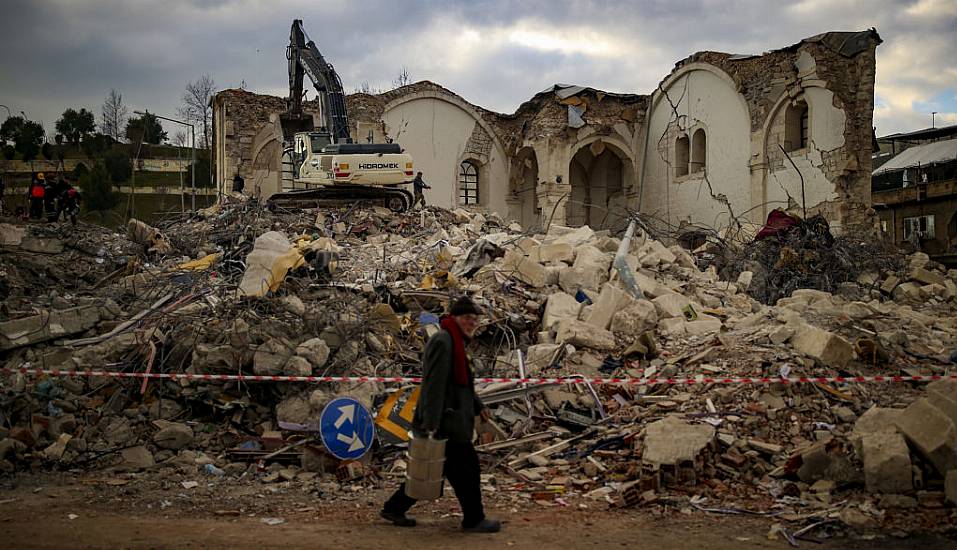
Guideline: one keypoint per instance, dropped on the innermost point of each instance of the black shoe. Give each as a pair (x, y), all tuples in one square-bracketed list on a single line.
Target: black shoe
[(485, 526), (399, 520)]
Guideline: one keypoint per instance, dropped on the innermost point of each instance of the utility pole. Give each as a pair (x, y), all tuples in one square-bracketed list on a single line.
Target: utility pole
[(933, 119)]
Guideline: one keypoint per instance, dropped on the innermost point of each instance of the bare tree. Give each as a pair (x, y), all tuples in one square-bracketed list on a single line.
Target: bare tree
[(114, 115), (366, 88), (403, 79), (196, 107), (179, 138)]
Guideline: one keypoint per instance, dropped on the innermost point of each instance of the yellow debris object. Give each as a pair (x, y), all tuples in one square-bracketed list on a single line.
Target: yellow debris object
[(201, 264), (273, 256)]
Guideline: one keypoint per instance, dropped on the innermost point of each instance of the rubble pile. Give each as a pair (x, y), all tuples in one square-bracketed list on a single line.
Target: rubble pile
[(356, 292)]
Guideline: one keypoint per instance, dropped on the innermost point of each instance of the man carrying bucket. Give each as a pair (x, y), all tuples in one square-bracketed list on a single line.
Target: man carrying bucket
[(447, 408)]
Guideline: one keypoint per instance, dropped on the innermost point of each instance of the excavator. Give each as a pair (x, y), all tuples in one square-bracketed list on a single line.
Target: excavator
[(323, 164)]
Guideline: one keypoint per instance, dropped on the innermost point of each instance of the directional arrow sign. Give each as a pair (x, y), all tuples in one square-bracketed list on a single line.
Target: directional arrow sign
[(347, 412), (346, 428)]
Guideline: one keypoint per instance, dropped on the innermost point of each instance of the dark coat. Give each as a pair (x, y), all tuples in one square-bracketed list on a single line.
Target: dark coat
[(444, 407)]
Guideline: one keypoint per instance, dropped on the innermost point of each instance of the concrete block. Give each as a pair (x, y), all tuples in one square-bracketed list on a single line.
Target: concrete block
[(825, 347), (781, 334), (943, 395), (889, 284), (524, 269), (887, 465), (573, 237), (538, 357), (703, 325), (931, 432), (671, 441), (875, 420), (744, 280), (926, 277), (907, 292), (611, 300), (572, 279), (581, 334), (653, 253), (671, 304), (553, 252), (635, 318), (672, 326), (558, 307), (47, 326)]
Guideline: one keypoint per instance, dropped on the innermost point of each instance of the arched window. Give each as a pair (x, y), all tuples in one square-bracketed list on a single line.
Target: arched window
[(468, 183), (796, 126), (699, 151), (682, 147)]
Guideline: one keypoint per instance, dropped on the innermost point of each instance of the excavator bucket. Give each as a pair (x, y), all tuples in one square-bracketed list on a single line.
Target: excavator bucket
[(292, 124)]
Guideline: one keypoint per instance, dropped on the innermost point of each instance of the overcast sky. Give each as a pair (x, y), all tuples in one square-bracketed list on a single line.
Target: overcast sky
[(56, 54)]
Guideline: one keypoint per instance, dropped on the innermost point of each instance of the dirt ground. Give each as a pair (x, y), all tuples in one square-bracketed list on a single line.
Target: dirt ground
[(65, 512)]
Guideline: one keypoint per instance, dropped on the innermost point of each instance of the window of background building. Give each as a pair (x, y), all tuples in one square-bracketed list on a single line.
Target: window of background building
[(923, 226), (682, 151), (468, 183)]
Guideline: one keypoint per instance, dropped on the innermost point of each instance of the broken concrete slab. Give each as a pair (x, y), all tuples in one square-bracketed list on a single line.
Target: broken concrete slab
[(652, 253), (635, 318), (41, 245), (611, 300), (887, 465), (314, 350), (47, 326), (931, 432), (926, 277), (137, 458), (173, 435), (825, 347), (552, 253), (12, 235), (671, 304), (943, 395), (574, 237), (581, 334), (524, 269), (670, 441), (538, 357), (875, 420), (558, 307), (704, 324)]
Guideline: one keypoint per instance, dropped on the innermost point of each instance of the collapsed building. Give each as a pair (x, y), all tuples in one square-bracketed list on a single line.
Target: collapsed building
[(723, 139)]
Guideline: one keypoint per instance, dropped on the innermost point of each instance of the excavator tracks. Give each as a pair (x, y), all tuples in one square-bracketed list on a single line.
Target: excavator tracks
[(393, 198)]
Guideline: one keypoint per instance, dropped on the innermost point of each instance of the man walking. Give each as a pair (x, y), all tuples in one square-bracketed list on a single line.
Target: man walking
[(417, 186), (447, 407)]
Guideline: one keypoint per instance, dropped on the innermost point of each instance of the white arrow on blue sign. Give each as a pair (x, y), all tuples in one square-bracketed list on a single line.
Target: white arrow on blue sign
[(346, 428)]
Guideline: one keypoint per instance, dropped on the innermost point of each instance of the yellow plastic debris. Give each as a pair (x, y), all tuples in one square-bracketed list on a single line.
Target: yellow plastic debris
[(201, 264)]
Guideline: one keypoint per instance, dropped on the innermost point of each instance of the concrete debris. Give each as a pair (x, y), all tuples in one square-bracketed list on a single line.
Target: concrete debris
[(263, 301)]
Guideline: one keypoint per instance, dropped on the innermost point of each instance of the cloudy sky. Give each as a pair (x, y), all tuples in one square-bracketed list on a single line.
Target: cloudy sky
[(56, 54)]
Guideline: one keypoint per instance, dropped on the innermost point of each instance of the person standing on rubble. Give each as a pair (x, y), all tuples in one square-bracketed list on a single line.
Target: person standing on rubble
[(447, 407), (417, 186), (35, 195)]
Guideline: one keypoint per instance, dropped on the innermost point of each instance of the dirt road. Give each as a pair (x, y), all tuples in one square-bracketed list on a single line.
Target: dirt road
[(91, 515)]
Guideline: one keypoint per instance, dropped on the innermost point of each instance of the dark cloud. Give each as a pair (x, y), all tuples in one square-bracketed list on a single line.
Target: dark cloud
[(62, 53)]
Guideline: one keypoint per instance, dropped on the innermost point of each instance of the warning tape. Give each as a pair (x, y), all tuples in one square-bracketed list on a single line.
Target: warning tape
[(700, 380)]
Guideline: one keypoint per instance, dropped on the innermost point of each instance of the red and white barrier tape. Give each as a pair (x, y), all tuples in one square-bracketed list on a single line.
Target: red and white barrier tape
[(558, 380)]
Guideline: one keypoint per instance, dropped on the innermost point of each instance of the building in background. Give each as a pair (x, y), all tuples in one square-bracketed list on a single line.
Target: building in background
[(915, 191)]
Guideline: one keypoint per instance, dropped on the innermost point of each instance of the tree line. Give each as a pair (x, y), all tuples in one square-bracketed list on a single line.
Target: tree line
[(112, 165)]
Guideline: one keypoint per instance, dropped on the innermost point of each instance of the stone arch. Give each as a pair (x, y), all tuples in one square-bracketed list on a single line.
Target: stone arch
[(690, 68), (454, 100), (599, 175), (523, 188)]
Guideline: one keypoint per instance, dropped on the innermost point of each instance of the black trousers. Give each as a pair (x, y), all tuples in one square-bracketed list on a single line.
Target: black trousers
[(462, 471)]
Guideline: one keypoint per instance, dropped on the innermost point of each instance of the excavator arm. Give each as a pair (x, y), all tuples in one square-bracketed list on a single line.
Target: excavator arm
[(304, 58)]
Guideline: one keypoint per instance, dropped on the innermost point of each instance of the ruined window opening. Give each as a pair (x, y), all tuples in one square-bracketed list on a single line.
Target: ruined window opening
[(921, 227), (682, 150), (468, 183), (796, 126), (699, 151)]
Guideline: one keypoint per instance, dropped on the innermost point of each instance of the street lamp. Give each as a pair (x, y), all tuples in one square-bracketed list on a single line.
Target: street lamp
[(192, 132), (933, 119)]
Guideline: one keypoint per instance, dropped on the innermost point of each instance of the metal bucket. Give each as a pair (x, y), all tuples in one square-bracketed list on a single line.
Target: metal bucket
[(424, 474)]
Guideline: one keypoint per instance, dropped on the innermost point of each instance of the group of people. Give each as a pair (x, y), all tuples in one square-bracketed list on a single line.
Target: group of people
[(52, 198)]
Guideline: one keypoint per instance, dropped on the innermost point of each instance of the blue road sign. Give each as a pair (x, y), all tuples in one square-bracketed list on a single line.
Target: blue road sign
[(346, 428)]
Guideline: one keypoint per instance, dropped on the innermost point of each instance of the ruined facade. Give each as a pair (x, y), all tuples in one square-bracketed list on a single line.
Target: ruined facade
[(723, 139)]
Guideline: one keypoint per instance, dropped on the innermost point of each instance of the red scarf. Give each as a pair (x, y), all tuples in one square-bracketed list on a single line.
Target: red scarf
[(460, 367)]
